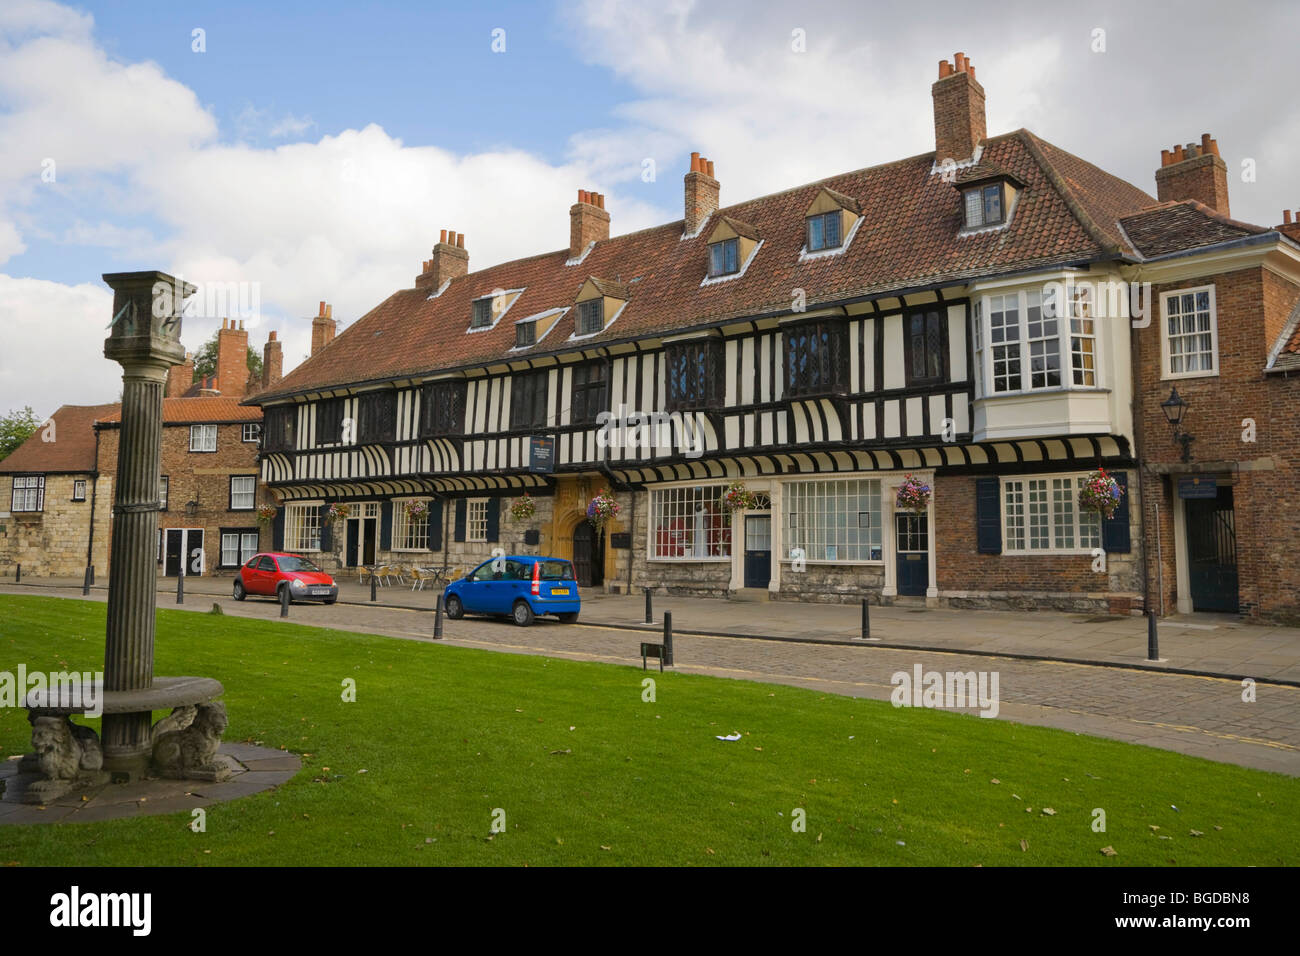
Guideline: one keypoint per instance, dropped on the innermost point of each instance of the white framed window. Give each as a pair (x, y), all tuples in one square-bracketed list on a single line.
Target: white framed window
[(411, 535), (243, 492), (1022, 340), (689, 522), (164, 485), (251, 431), (1189, 343), (79, 489), (28, 493), (237, 547), (203, 438), (837, 520), (476, 519), (1042, 514), (302, 527)]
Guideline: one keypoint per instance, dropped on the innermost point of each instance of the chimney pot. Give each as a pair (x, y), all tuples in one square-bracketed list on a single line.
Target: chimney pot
[(442, 236), (695, 162), (710, 168), (1286, 217), (945, 69), (1205, 142), (960, 59)]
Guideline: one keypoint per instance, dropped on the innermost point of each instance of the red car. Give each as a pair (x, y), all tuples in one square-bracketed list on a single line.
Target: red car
[(270, 572)]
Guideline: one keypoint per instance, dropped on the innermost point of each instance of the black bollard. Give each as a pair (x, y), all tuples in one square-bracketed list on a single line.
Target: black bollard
[(92, 575), (180, 584), (649, 614), (284, 602), (437, 618), (866, 621), (85, 584), (18, 575), (668, 638), (372, 584), (1153, 642)]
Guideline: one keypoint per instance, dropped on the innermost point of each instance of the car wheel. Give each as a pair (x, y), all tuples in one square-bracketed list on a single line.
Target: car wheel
[(240, 593), (569, 618), (455, 610), (522, 614)]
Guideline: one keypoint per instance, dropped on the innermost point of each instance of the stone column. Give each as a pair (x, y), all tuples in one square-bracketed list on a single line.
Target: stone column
[(145, 340)]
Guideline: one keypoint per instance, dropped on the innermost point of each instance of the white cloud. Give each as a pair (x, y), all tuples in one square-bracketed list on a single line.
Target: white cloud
[(54, 340)]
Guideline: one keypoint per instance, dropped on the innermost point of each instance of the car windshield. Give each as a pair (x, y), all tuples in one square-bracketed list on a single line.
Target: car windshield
[(556, 571), (291, 562)]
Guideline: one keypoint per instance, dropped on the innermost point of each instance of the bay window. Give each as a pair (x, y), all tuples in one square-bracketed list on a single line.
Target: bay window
[(1022, 340)]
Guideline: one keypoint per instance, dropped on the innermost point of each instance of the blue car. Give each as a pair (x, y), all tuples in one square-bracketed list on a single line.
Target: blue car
[(522, 586)]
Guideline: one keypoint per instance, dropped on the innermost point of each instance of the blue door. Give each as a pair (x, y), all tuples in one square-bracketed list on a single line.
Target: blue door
[(913, 538), (477, 593)]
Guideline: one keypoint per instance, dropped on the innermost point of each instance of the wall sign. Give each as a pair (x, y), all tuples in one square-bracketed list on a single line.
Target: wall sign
[(620, 540), (1198, 487), (541, 453)]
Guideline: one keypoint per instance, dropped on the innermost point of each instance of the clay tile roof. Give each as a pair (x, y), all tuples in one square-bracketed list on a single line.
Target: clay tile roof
[(1188, 224), (910, 237), (982, 171), (617, 290), (740, 228), (197, 411), (73, 448)]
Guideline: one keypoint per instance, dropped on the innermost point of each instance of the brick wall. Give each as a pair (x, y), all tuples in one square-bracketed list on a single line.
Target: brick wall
[(1252, 307)]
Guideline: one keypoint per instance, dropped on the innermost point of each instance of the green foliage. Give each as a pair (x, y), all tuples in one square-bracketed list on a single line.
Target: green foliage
[(15, 428), (589, 773), (205, 360)]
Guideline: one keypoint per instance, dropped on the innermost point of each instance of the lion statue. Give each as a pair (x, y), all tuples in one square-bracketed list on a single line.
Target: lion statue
[(186, 747), (65, 755)]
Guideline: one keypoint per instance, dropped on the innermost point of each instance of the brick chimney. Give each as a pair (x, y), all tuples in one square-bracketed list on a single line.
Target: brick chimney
[(323, 327), (180, 377), (450, 261), (588, 222), (232, 359), (272, 361), (1290, 226), (1194, 171), (701, 194), (959, 123)]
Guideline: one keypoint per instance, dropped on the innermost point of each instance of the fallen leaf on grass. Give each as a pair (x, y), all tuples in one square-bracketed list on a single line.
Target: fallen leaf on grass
[(1024, 846), (1153, 827), (1197, 833), (1108, 851), (819, 838), (561, 752), (709, 850), (995, 780), (1048, 812)]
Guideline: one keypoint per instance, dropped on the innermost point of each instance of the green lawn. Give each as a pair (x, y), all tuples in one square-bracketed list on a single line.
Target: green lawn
[(446, 735)]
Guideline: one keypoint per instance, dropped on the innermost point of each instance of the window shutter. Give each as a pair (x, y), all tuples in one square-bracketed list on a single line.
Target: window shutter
[(435, 525), (459, 533), (988, 516), (277, 530), (326, 530), (493, 519), (1114, 530), (386, 526)]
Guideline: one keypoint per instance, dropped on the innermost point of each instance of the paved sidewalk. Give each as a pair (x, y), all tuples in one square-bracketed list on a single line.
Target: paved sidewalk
[(1213, 645)]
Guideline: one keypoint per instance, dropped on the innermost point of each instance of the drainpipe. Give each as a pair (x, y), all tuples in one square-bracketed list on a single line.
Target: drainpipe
[(94, 492)]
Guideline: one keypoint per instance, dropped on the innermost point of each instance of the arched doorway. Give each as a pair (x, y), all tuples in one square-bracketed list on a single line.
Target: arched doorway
[(588, 554)]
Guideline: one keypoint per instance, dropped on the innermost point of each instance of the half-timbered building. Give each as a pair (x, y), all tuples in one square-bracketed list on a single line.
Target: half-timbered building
[(951, 316)]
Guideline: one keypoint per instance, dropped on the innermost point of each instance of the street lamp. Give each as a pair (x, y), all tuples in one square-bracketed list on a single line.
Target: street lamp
[(1175, 408), (192, 507)]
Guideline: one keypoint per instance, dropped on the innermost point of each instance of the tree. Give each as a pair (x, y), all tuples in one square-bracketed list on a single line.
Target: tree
[(15, 428), (205, 361)]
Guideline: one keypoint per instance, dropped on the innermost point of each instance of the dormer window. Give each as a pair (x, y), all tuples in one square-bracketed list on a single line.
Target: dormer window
[(591, 316), (824, 231), (985, 206), (525, 334), (724, 257), (481, 317)]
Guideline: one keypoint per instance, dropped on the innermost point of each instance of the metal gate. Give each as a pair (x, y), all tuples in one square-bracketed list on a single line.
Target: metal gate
[(1212, 552)]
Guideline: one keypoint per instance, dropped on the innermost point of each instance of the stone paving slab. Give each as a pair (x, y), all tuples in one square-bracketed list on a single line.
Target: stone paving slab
[(149, 797)]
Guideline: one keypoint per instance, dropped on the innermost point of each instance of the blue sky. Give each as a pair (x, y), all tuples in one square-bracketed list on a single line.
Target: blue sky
[(314, 151)]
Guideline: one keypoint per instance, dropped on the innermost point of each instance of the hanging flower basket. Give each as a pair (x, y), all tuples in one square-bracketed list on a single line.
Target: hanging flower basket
[(417, 510), (602, 508), (913, 495), (738, 498), (1100, 492), (337, 512), (523, 507), (266, 514)]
